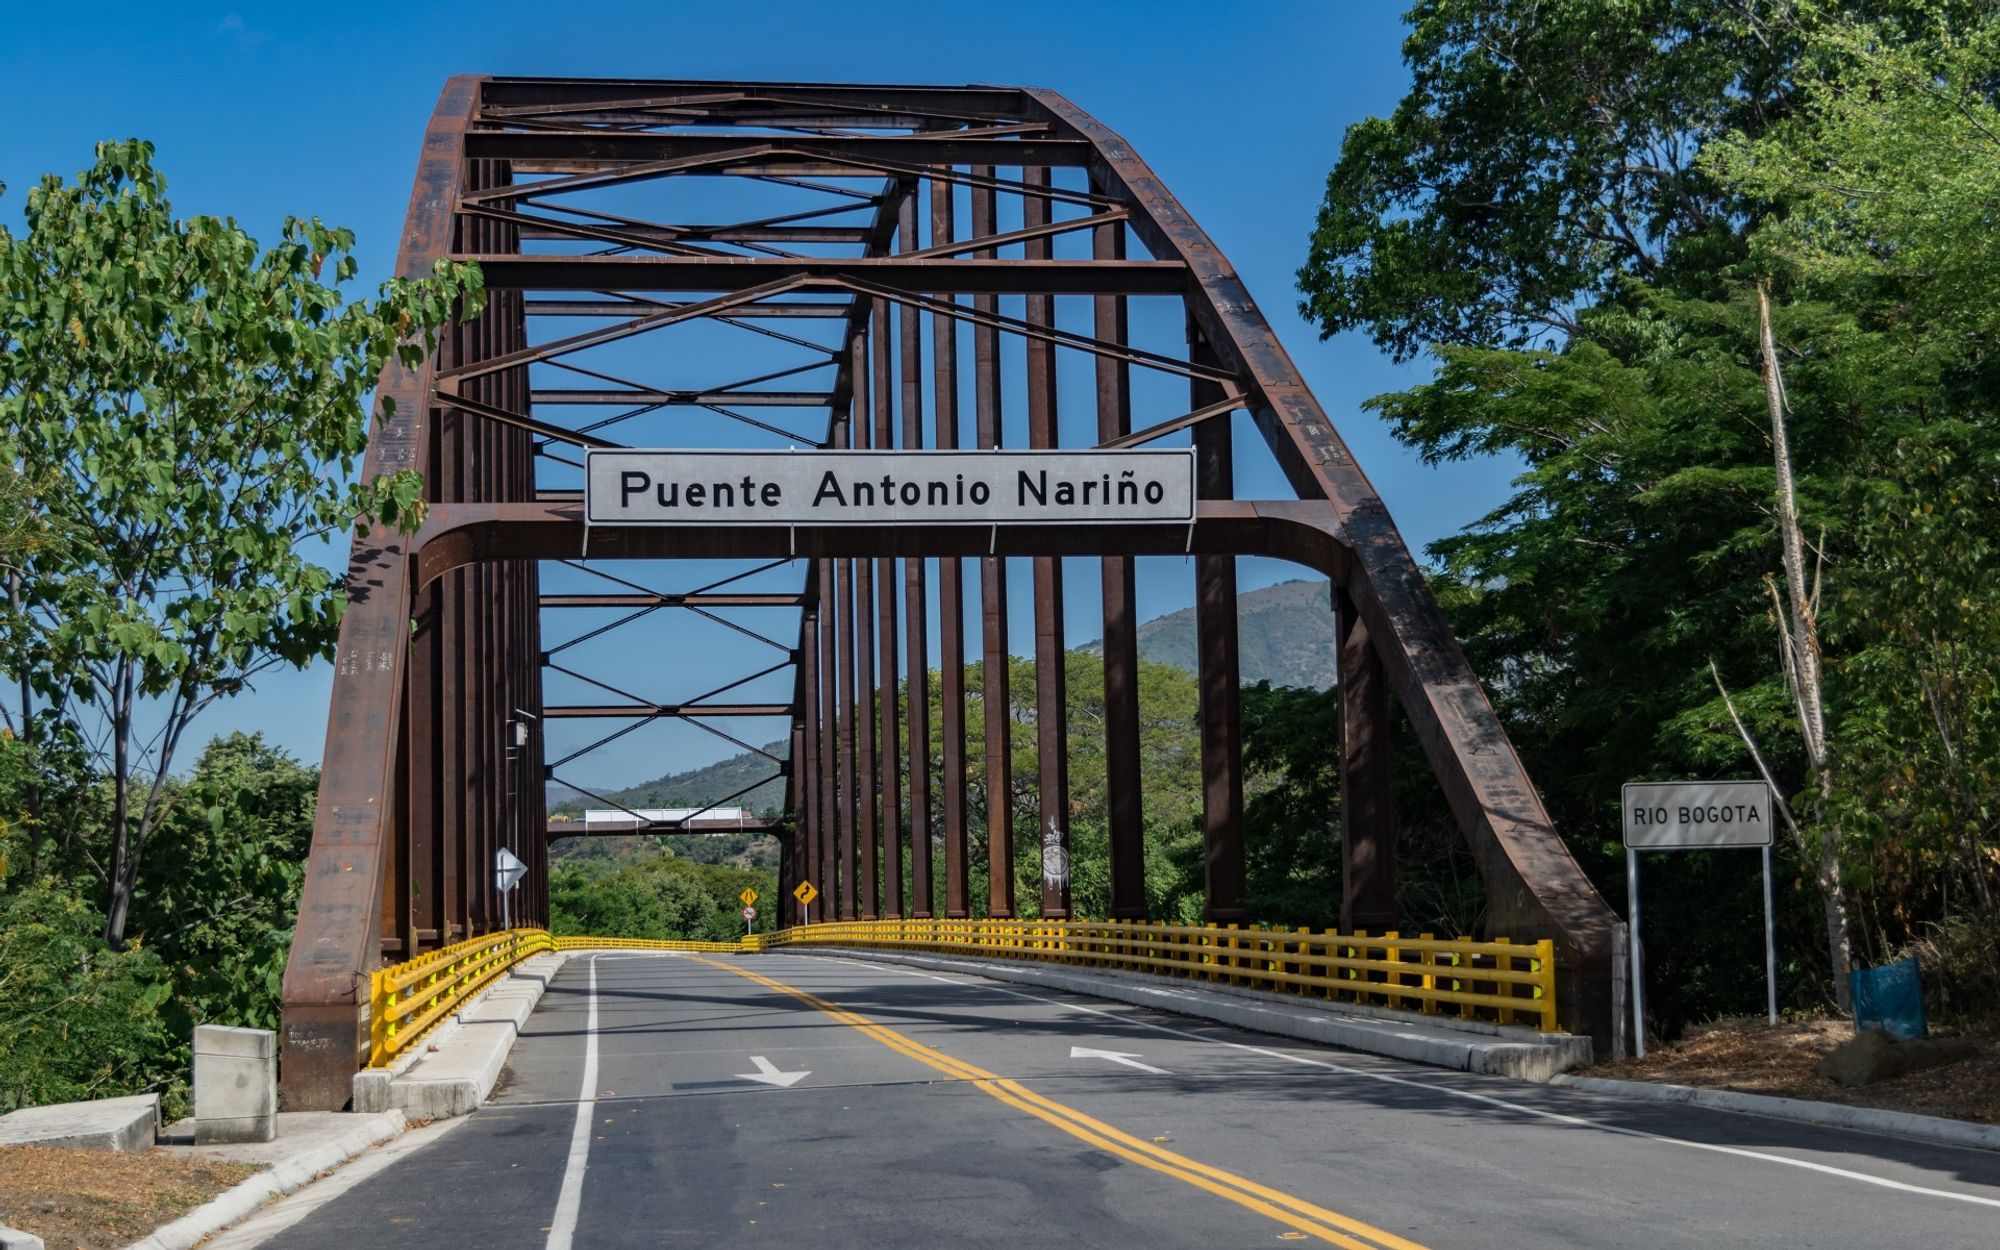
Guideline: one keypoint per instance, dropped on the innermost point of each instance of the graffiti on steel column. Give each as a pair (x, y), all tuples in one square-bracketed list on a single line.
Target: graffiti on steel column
[(1055, 858)]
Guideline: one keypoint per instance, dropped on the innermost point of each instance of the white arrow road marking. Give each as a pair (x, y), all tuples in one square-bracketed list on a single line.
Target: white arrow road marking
[(767, 1073), (1115, 1056)]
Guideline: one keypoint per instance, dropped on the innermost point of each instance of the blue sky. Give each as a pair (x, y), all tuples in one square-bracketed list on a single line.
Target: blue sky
[(263, 111)]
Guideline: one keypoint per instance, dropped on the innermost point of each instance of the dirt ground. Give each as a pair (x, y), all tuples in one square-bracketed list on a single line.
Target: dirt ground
[(1758, 1058), (103, 1199)]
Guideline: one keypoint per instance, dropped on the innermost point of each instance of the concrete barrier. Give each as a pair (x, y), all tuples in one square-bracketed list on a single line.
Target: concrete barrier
[(451, 1072), (235, 1085), (104, 1124)]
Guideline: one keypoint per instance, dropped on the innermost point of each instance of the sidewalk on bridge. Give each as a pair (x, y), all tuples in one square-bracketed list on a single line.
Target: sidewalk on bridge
[(1463, 1045), (450, 1072)]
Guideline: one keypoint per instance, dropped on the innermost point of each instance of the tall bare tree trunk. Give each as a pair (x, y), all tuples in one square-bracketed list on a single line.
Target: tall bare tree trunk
[(31, 802), (1796, 612)]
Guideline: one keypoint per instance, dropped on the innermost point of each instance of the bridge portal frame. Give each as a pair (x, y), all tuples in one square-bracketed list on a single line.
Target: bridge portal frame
[(431, 740)]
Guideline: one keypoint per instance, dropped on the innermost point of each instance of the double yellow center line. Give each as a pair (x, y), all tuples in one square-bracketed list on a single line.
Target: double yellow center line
[(1295, 1213)]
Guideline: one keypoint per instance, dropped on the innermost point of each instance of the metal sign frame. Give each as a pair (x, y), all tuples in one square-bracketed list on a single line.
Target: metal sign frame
[(1636, 946)]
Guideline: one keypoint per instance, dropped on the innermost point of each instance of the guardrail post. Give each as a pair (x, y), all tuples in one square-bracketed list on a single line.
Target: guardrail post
[(1392, 952)]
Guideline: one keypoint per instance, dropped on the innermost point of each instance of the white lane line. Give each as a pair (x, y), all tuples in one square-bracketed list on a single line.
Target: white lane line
[(1557, 1116), (563, 1227)]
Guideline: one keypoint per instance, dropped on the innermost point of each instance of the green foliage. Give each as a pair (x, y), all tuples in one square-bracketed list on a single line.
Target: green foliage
[(1571, 210), (1546, 150), (1170, 773), (77, 1020), (190, 410), (659, 896), (230, 859), (211, 926)]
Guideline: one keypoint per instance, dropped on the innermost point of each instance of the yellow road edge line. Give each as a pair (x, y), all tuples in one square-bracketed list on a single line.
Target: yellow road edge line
[(1274, 1204)]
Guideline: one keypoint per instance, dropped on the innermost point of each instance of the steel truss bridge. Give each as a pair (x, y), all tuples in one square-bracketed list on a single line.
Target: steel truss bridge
[(910, 267)]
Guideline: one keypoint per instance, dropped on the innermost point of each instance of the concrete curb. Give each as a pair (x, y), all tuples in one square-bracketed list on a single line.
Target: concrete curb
[(283, 1178), (1488, 1049), (15, 1239), (456, 1068), (1929, 1128)]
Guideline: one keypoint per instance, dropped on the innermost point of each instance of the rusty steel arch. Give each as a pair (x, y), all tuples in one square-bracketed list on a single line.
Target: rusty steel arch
[(437, 739)]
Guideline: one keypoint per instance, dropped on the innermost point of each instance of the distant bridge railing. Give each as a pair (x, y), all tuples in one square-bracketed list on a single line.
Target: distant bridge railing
[(408, 999), (1495, 980)]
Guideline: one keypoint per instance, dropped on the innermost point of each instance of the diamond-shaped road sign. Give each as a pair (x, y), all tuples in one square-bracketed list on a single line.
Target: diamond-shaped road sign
[(749, 896), (507, 871), (805, 893)]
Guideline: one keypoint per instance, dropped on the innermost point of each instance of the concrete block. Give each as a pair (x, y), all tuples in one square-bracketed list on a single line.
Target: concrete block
[(222, 1039), (104, 1124), (371, 1090), (15, 1239), (235, 1085)]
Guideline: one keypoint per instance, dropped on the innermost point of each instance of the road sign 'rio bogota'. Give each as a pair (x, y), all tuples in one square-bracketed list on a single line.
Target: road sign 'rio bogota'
[(888, 487)]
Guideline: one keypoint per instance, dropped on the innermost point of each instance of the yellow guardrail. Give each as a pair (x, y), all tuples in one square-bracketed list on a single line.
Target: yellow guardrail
[(1496, 979), (647, 944), (407, 999)]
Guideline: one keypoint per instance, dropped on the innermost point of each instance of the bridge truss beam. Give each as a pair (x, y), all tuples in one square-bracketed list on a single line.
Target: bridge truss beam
[(1062, 286)]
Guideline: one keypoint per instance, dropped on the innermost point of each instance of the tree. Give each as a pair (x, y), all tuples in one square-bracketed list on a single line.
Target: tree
[(1887, 178), (1547, 150), (77, 1021), (232, 845), (1574, 210), (198, 406)]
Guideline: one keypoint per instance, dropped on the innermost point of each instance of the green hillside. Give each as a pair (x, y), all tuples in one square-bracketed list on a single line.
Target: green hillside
[(1284, 635), (710, 783)]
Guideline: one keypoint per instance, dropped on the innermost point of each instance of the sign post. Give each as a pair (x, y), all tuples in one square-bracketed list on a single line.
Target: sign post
[(749, 916), (1695, 816), (805, 892), (507, 873)]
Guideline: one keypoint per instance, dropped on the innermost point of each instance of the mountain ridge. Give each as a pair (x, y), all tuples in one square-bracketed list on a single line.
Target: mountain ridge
[(1284, 636)]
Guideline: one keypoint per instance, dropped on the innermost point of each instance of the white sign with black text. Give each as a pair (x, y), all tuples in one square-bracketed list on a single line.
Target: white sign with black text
[(1696, 815), (888, 487)]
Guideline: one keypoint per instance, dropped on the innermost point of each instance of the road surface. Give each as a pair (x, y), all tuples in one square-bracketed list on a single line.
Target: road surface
[(812, 1101)]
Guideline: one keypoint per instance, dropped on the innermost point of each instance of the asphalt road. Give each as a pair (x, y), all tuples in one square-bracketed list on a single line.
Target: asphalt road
[(903, 1108)]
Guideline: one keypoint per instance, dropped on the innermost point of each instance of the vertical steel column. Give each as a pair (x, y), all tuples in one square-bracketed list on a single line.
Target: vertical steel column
[(1051, 680), (993, 593), (1124, 810), (1221, 691), (805, 764), (884, 606), (420, 728), (847, 893), (784, 908), (451, 478), (916, 629), (951, 621), (874, 761), (484, 636), (1367, 831), (829, 755)]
